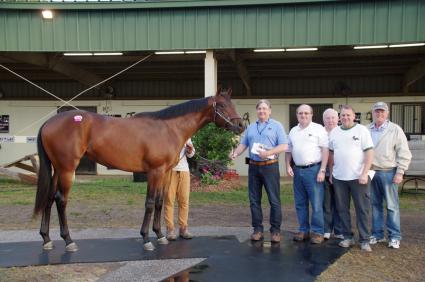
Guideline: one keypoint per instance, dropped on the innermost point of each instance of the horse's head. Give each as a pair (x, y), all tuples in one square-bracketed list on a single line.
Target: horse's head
[(225, 115)]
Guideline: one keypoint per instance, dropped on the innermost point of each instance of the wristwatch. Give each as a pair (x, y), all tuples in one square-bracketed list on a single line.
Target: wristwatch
[(323, 170)]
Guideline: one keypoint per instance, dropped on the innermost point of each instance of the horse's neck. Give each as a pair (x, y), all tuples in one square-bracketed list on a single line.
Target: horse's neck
[(187, 125)]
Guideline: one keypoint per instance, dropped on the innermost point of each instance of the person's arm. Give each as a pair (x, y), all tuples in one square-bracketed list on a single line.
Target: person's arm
[(322, 171), (288, 159), (190, 150), (331, 165), (403, 156), (367, 163), (238, 151), (274, 151)]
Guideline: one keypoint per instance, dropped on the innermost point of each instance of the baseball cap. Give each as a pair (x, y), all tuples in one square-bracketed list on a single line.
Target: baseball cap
[(380, 106)]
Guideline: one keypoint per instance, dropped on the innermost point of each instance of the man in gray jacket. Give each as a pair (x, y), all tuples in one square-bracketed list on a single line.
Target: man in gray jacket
[(391, 160)]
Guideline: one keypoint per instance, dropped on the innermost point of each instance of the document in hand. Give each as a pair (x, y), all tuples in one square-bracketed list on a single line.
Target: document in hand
[(258, 147)]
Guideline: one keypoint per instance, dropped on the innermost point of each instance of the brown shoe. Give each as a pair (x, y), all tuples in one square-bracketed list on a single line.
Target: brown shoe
[(275, 237), (185, 234), (257, 236), (301, 236), (316, 238)]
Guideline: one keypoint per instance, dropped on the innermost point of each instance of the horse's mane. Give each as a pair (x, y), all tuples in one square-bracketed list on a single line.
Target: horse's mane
[(177, 110)]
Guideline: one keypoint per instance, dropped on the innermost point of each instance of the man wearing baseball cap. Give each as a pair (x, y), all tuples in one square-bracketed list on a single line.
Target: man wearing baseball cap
[(392, 158)]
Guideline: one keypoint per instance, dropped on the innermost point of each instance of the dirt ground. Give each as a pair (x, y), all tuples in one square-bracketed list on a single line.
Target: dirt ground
[(383, 264)]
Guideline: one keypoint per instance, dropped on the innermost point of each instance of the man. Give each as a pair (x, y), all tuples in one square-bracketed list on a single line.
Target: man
[(179, 186), (308, 147), (392, 158), (352, 153), (331, 218), (265, 138)]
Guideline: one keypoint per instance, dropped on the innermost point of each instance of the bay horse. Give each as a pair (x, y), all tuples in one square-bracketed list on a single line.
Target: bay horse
[(147, 142)]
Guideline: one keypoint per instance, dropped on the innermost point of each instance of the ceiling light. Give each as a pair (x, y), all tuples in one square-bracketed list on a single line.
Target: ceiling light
[(78, 54), (196, 52), (108, 54), (302, 49), (407, 45), (371, 47), (269, 50), (47, 14), (169, 53)]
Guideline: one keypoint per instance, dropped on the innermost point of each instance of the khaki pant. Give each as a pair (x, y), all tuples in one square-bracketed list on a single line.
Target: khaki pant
[(178, 187)]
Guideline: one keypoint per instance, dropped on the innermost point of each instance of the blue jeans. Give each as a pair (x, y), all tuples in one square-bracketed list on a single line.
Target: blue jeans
[(268, 176), (307, 189), (383, 188)]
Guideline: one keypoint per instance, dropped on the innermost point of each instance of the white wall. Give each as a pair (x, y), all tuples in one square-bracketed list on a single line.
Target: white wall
[(26, 117)]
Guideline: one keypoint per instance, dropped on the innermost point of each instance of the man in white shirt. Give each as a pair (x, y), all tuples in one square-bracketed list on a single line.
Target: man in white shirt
[(351, 150), (308, 147)]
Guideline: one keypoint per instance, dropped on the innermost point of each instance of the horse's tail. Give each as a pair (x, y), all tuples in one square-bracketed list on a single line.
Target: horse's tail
[(45, 179)]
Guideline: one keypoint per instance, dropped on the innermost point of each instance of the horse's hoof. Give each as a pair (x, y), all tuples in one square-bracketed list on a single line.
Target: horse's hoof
[(162, 241), (71, 247), (148, 246), (48, 246)]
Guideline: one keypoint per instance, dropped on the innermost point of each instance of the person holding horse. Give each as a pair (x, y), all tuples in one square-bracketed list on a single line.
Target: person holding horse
[(265, 138), (179, 186), (308, 147)]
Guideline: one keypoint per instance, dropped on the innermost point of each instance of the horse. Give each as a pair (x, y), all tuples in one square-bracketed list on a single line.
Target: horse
[(146, 142)]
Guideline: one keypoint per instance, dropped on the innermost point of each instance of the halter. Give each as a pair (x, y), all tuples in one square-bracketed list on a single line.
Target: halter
[(227, 119)]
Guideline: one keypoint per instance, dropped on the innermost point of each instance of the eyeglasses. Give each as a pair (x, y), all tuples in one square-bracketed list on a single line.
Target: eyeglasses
[(303, 113)]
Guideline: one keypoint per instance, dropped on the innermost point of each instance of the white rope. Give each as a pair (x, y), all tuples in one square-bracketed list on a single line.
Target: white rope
[(79, 94), (39, 87)]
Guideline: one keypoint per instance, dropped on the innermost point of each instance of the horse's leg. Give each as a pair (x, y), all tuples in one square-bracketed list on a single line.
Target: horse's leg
[(144, 231), (154, 181), (45, 220), (159, 200), (61, 198)]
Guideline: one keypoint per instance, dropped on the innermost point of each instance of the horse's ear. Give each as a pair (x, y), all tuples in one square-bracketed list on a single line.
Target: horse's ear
[(218, 91), (229, 92)]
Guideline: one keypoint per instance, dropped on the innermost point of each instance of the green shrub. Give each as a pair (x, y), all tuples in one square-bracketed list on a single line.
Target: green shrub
[(213, 145)]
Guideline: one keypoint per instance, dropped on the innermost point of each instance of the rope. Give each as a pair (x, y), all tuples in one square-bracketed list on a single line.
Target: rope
[(76, 96)]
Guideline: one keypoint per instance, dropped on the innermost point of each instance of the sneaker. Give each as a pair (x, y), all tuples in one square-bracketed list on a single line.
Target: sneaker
[(171, 236), (316, 238), (257, 236), (373, 240), (346, 243), (365, 247), (301, 236), (394, 243), (185, 234), (339, 236), (327, 236), (275, 237)]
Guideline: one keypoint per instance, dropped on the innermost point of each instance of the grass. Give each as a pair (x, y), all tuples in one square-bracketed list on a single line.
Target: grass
[(125, 192)]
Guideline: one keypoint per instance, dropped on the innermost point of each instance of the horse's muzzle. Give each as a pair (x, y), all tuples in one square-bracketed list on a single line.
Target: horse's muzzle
[(237, 126)]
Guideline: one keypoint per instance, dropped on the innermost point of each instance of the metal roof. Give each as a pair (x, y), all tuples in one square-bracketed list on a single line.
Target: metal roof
[(320, 23), (145, 4)]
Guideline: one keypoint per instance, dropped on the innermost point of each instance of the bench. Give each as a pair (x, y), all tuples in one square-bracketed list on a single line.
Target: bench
[(416, 171)]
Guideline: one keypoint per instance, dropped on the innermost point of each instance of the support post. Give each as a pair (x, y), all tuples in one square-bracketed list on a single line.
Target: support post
[(210, 74)]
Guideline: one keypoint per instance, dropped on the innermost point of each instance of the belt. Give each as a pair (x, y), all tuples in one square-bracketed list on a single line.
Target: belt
[(382, 169), (307, 166), (261, 163)]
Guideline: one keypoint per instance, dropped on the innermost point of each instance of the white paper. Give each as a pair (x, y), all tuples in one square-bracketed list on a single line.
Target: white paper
[(258, 147), (371, 174)]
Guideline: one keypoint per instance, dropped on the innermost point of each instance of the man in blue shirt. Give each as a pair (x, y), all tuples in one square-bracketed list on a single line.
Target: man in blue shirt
[(265, 138)]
